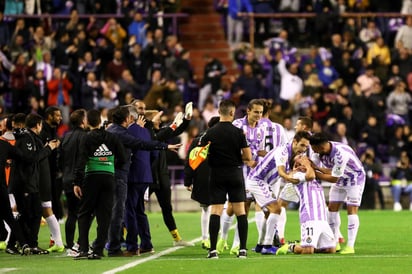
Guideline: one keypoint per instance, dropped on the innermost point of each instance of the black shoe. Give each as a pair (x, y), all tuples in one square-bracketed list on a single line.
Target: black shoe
[(144, 251), (212, 255), (94, 256), (12, 251), (82, 255), (39, 251), (242, 254), (257, 248), (26, 250)]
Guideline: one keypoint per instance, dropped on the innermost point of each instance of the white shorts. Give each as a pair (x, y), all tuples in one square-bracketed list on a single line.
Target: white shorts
[(289, 194), (317, 234), (261, 192), (351, 195)]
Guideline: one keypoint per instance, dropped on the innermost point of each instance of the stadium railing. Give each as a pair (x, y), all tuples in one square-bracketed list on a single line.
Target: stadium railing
[(174, 16), (297, 15)]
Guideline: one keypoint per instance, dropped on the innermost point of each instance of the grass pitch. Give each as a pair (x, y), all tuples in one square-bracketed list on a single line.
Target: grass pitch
[(383, 246)]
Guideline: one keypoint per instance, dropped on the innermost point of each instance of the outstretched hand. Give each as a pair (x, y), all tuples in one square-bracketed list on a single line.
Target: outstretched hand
[(174, 147)]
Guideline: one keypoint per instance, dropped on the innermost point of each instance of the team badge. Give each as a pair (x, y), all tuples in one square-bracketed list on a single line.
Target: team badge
[(308, 240)]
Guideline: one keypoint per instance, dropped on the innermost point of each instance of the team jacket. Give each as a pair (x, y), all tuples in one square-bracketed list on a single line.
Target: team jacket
[(101, 153), (27, 168)]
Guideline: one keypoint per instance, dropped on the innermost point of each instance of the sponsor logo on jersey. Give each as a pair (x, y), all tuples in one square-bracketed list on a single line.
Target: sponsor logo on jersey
[(103, 150)]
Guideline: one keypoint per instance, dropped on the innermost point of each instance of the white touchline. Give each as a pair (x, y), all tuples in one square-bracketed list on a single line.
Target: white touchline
[(10, 269), (151, 257), (157, 255)]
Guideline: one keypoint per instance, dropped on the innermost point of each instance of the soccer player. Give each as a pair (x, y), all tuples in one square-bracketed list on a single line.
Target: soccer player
[(263, 177), (316, 234), (343, 168), (274, 136), (288, 193)]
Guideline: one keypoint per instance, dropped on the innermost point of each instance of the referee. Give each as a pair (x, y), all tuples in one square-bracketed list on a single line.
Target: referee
[(227, 153)]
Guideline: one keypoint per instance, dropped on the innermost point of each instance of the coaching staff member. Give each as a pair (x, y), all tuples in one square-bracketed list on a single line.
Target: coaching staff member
[(94, 183), (227, 153)]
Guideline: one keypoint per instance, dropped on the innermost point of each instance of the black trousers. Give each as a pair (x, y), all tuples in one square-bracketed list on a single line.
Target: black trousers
[(97, 199), (30, 210), (72, 211), (164, 197)]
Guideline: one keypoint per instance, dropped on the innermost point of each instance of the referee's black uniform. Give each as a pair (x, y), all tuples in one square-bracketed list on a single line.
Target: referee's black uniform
[(226, 176)]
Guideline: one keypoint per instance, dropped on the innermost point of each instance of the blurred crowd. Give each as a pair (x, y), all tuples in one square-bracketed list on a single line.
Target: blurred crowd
[(353, 78)]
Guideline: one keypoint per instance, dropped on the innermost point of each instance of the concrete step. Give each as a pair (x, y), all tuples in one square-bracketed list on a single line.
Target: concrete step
[(202, 36)]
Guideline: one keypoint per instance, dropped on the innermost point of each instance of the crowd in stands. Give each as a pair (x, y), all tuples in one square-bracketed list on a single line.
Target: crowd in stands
[(354, 79)]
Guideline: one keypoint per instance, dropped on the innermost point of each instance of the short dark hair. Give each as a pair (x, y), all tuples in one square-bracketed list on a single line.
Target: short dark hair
[(253, 102), (32, 120), (307, 121), (267, 104), (225, 107), (318, 139), (302, 135), (77, 117), (50, 111), (120, 114), (19, 118), (93, 118)]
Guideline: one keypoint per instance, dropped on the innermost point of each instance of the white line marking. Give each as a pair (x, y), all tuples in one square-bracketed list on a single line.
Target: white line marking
[(151, 257), (10, 269), (157, 255)]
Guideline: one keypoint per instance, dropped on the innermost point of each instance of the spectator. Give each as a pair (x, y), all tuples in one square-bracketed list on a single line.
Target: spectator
[(138, 28), (128, 85), (45, 64), (4, 31), (404, 35), (262, 7), (291, 83), (115, 68), (114, 32), (18, 80), (373, 169), (401, 181), (235, 22), (209, 110), (247, 86), (367, 80), (379, 56), (398, 101), (369, 34), (38, 90), (403, 59), (90, 92), (59, 88)]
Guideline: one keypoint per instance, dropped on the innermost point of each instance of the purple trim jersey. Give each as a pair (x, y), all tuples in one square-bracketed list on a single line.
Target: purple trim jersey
[(254, 138), (312, 205), (266, 170), (345, 165), (274, 134)]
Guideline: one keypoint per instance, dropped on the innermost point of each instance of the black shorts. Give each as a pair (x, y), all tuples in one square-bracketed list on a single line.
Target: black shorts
[(227, 181), (45, 190)]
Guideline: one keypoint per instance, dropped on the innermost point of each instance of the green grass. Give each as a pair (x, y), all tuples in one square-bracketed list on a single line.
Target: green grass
[(383, 246)]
